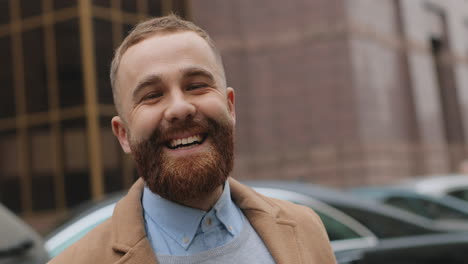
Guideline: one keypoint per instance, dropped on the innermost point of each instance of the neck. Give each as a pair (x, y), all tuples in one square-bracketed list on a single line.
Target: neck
[(207, 202)]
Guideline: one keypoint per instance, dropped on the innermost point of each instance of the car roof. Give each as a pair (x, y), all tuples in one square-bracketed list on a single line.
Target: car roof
[(348, 202), (436, 185), (20, 240)]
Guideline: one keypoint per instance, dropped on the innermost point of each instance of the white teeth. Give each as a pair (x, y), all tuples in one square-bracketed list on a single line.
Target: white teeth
[(183, 141)]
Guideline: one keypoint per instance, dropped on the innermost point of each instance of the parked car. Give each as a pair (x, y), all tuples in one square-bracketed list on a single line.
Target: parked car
[(352, 242), (444, 211), (383, 220), (447, 248), (344, 232), (19, 243), (455, 185)]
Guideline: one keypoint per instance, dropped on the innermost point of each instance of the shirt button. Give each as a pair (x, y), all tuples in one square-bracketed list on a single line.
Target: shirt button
[(230, 228), (186, 240), (208, 221)]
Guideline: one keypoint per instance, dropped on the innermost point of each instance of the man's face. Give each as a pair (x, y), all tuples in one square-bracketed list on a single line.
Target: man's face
[(176, 118)]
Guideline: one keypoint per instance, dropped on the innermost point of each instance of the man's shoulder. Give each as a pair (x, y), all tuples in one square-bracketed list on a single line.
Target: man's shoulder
[(94, 247)]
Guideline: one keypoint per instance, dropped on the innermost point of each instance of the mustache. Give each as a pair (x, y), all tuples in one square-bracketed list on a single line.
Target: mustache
[(162, 134)]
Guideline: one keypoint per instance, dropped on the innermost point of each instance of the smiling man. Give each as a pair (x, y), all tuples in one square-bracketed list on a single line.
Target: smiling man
[(176, 117)]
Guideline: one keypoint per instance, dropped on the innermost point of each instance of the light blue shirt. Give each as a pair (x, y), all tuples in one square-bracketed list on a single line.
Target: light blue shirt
[(174, 229)]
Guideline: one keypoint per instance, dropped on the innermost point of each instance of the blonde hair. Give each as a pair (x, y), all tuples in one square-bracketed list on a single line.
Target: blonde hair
[(166, 24)]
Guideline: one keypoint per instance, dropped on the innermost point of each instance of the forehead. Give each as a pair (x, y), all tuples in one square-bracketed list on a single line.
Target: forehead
[(161, 53)]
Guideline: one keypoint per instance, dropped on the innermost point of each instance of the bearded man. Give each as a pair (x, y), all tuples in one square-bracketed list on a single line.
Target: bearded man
[(176, 117)]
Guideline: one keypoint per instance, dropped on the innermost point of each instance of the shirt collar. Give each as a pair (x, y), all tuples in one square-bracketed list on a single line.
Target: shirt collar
[(181, 222)]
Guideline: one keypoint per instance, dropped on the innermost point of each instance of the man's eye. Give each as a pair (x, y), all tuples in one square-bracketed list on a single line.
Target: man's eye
[(151, 96), (196, 86)]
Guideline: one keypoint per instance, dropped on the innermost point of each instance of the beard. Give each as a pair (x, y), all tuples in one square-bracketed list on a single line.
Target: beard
[(195, 176)]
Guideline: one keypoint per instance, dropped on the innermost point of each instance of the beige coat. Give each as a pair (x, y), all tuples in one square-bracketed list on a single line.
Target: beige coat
[(292, 233)]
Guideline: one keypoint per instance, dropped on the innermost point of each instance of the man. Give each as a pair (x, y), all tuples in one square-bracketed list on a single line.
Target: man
[(176, 117)]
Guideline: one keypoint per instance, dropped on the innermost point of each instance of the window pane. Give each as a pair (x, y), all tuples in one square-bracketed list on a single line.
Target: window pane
[(103, 44), (104, 3), (178, 7), (337, 230), (35, 70), (30, 8), (4, 11), (7, 100), (8, 155), (111, 157), (77, 183), (126, 29), (70, 77), (154, 7), (10, 193), (41, 169), (59, 4), (129, 6)]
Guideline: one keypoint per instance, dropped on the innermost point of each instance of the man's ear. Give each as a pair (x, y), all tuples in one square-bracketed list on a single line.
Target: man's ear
[(120, 131), (231, 103)]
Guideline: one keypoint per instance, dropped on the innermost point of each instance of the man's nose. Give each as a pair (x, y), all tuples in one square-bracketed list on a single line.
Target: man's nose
[(179, 108)]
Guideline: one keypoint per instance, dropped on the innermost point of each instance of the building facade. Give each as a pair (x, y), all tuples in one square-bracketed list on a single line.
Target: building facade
[(56, 144), (346, 92), (335, 92)]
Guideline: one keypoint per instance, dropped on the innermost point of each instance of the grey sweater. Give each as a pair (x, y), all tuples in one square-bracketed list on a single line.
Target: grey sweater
[(247, 248)]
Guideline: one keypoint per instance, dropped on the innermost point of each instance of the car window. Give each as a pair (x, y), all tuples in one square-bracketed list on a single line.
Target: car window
[(426, 208), (335, 229), (384, 226), (460, 194)]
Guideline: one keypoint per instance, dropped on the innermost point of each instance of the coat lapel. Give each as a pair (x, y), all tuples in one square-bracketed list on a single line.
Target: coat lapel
[(128, 229), (278, 234)]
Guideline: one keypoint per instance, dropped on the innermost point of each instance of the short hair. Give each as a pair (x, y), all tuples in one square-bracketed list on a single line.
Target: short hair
[(166, 24)]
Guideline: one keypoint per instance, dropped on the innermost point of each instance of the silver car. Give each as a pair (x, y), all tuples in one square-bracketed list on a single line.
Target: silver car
[(19, 243)]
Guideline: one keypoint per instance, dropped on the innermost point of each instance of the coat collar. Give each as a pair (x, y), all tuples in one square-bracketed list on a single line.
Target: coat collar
[(276, 230)]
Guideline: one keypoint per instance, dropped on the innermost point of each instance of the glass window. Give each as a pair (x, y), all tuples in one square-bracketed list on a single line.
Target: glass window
[(103, 3), (179, 8), (130, 6), (111, 158), (4, 11), (35, 74), (426, 208), (154, 7), (7, 100), (41, 169), (69, 64), (30, 8), (8, 155), (10, 192), (77, 182), (126, 29), (59, 4), (335, 229), (460, 194), (383, 226), (413, 205), (104, 51)]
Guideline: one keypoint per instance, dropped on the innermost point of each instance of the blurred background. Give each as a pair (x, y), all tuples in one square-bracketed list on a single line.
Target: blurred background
[(334, 92)]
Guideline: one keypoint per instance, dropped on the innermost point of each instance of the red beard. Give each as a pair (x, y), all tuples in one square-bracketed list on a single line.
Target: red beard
[(187, 178)]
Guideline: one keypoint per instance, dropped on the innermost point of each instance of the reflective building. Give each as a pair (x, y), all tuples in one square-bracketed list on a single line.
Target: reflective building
[(335, 92)]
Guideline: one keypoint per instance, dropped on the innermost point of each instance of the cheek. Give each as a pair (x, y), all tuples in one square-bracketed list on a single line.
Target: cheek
[(215, 108), (144, 122)]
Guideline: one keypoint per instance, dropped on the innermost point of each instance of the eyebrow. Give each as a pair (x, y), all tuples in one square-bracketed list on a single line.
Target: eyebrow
[(152, 79), (197, 71)]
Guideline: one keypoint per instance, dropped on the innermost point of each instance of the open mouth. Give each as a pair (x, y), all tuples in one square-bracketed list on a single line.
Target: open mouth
[(186, 142)]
